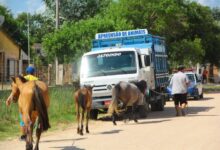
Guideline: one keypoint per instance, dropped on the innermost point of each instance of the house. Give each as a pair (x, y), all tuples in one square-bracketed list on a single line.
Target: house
[(12, 58)]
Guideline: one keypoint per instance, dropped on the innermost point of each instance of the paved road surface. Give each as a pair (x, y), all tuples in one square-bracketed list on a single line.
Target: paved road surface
[(199, 130)]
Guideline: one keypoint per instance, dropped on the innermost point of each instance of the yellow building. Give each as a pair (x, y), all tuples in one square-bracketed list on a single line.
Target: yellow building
[(10, 54)]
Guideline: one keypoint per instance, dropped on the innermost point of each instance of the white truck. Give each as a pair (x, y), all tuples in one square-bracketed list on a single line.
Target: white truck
[(131, 55)]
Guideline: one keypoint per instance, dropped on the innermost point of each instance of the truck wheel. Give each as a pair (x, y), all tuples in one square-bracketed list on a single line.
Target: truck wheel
[(160, 105), (94, 114), (153, 106), (143, 110)]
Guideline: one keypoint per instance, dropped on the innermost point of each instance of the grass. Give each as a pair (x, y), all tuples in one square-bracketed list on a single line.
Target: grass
[(211, 87), (61, 111)]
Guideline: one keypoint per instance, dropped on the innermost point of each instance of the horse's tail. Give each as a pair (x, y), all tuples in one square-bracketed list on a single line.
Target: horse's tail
[(114, 103), (41, 108), (82, 100)]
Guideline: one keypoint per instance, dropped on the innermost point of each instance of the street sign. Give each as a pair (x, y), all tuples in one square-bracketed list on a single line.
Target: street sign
[(2, 19)]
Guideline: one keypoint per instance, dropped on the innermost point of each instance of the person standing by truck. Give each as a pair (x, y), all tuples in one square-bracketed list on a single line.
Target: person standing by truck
[(179, 84), (204, 76)]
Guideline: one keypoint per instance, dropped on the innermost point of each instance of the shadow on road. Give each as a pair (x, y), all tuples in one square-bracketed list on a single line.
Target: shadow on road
[(62, 140), (203, 99), (169, 112), (68, 148), (149, 122), (195, 110), (110, 132)]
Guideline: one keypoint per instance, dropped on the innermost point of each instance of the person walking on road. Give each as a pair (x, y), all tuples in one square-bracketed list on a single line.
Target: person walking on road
[(179, 83)]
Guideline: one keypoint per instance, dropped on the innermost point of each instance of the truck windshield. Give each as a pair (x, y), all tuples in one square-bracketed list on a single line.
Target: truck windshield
[(111, 63)]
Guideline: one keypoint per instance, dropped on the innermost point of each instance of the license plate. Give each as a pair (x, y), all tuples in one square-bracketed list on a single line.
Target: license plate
[(107, 103)]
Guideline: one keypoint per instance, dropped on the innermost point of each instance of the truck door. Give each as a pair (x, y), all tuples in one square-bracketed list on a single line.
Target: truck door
[(147, 71)]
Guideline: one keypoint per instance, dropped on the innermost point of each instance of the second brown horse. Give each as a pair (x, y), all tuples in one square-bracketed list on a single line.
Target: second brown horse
[(83, 103)]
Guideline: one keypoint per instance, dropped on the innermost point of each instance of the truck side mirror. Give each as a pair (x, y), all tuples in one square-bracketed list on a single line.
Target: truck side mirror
[(147, 60)]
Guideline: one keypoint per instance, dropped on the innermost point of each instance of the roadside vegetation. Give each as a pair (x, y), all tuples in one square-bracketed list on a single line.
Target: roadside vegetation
[(61, 111), (209, 88)]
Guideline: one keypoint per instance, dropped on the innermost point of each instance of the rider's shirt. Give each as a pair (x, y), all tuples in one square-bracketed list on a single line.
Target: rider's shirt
[(30, 77)]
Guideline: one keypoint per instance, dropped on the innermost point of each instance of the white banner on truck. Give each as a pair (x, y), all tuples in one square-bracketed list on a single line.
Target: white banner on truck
[(118, 34)]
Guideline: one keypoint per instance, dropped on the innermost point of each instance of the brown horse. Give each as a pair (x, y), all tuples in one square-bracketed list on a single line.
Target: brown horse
[(83, 103), (129, 94), (33, 101)]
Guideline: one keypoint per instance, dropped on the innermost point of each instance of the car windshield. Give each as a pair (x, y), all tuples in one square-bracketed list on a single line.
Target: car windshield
[(111, 63), (191, 77)]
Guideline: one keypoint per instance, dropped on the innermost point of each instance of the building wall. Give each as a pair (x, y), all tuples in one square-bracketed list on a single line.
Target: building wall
[(9, 57), (8, 46)]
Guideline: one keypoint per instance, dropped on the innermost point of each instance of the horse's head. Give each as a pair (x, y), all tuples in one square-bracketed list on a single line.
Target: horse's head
[(89, 87), (15, 92), (142, 85)]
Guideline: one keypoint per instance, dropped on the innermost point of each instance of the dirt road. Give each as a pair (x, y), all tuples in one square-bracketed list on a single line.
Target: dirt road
[(199, 130)]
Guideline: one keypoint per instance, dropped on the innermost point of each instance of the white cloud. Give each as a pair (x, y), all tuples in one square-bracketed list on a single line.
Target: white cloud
[(41, 9), (210, 3), (3, 2), (35, 6)]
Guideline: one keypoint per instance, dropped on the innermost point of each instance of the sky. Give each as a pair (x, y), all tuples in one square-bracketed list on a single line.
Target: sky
[(37, 6), (19, 6)]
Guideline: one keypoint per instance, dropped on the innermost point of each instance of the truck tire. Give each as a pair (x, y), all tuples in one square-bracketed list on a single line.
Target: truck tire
[(160, 105), (143, 110), (94, 114), (153, 106)]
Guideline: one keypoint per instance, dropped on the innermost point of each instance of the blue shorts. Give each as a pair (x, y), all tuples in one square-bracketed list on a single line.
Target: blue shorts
[(21, 121)]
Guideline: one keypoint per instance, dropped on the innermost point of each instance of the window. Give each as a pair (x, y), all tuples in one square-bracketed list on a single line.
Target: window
[(147, 60)]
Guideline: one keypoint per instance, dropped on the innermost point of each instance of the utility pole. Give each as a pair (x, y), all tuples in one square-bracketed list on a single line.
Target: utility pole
[(29, 56), (57, 26), (57, 14)]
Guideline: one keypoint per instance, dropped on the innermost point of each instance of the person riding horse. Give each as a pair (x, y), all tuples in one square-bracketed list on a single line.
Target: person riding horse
[(30, 70)]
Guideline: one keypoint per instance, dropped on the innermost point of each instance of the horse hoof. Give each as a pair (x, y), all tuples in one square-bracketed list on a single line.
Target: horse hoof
[(36, 148), (135, 121), (115, 123), (29, 146), (87, 131), (126, 120), (81, 132)]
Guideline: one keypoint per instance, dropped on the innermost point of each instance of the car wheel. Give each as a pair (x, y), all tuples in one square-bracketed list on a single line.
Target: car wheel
[(201, 96), (196, 97), (94, 114)]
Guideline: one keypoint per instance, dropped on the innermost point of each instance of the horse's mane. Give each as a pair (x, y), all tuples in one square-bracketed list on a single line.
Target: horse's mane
[(22, 78)]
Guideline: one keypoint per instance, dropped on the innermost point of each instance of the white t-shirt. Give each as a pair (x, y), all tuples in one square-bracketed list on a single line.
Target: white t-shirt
[(179, 83)]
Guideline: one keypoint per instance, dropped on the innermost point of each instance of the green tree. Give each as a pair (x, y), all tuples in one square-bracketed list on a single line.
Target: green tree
[(73, 39), (39, 25), (190, 29), (74, 10), (11, 27)]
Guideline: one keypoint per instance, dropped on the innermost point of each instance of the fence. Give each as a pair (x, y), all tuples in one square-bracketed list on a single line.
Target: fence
[(67, 74)]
